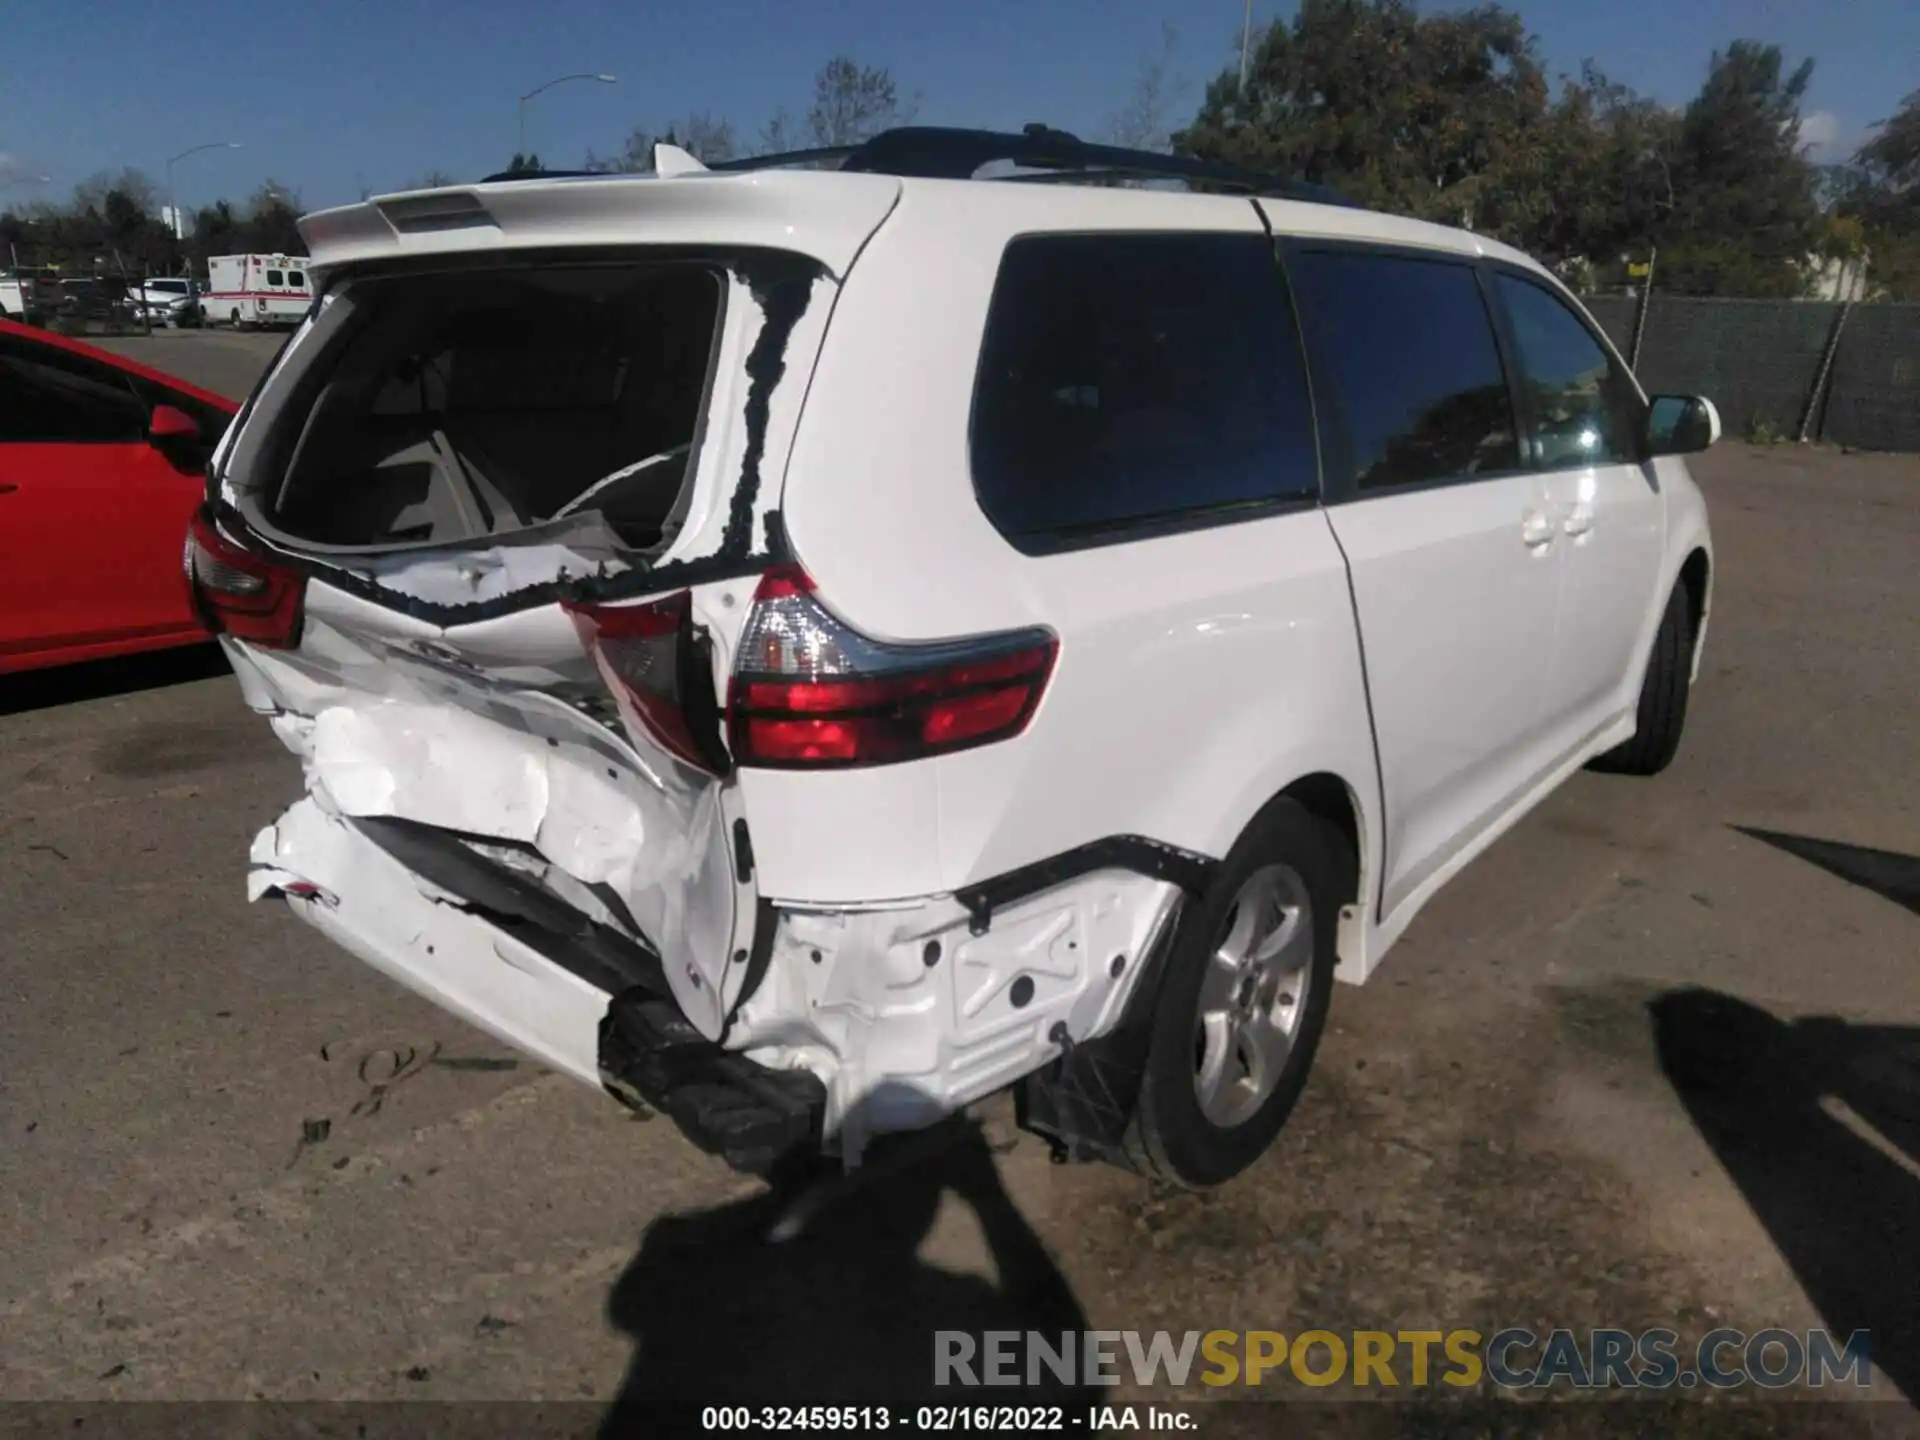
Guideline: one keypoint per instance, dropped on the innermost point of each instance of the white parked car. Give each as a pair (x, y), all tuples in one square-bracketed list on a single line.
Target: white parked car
[(173, 302), (808, 651)]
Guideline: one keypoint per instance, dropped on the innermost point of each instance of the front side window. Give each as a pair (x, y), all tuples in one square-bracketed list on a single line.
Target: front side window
[(1583, 409), (1129, 379), (52, 399), (1412, 365)]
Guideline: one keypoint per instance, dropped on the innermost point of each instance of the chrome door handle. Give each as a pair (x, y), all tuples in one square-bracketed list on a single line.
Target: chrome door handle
[(1536, 529)]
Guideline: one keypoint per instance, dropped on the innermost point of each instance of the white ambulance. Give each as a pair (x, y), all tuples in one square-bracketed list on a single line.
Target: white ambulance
[(249, 290)]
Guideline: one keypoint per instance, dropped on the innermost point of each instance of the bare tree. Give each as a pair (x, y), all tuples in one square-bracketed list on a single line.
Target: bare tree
[(706, 137), (780, 134), (1143, 123), (703, 135), (854, 102)]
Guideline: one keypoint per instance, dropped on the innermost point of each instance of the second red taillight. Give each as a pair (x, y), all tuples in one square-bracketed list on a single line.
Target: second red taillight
[(659, 674), (810, 692), (240, 593)]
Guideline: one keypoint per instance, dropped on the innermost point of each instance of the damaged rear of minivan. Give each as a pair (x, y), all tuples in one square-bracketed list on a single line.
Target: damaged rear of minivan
[(484, 545)]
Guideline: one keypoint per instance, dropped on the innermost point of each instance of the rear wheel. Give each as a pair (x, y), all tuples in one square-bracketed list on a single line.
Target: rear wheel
[(1663, 697), (1244, 1002)]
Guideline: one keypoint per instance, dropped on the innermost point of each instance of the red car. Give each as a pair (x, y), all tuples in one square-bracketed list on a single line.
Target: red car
[(102, 464)]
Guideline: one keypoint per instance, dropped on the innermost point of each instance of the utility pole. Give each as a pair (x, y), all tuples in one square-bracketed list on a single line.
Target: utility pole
[(1640, 311), (1246, 43)]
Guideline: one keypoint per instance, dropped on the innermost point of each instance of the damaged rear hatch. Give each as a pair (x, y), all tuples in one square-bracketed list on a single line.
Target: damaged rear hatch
[(481, 546)]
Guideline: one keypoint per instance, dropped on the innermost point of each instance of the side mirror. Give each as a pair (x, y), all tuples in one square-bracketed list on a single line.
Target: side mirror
[(1681, 424), (169, 424)]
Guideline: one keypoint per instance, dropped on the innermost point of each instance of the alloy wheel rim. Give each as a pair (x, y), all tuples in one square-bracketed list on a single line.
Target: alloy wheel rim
[(1253, 996)]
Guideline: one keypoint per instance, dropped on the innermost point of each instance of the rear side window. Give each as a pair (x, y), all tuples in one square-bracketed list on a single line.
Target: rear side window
[(275, 277), (297, 279), (1581, 406), (1411, 366), (1130, 379)]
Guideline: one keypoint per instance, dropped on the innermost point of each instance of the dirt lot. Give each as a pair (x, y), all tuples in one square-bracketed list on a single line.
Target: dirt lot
[(1654, 1060)]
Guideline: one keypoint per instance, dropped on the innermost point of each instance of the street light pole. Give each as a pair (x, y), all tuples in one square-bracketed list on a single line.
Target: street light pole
[(600, 77), (173, 204)]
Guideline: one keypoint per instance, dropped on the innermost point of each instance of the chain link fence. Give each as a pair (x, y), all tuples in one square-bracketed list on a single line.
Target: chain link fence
[(1873, 401), (104, 302), (1781, 369)]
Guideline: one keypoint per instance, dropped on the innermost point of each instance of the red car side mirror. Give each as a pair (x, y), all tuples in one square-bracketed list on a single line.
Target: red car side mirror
[(167, 423)]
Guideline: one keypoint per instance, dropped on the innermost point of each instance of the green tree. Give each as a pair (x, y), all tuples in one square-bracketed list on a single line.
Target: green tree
[(1438, 115), (1881, 194), (528, 164), (1745, 217), (271, 226), (1610, 156), (216, 231)]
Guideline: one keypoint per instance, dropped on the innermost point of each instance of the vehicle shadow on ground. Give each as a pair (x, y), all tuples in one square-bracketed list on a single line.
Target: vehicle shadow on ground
[(1887, 873), (98, 679), (1818, 1122), (844, 1313)]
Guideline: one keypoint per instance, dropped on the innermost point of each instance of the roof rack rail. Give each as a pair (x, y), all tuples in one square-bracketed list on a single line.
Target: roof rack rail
[(944, 153), (499, 175)]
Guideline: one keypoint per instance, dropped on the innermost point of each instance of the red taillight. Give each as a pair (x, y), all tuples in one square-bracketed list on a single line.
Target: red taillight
[(240, 593), (809, 691), (648, 657)]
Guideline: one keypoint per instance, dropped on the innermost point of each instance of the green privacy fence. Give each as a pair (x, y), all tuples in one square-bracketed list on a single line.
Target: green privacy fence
[(1846, 373)]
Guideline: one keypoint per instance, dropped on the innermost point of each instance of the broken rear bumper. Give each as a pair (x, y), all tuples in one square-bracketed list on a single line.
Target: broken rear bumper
[(857, 1022), (524, 967), (339, 880)]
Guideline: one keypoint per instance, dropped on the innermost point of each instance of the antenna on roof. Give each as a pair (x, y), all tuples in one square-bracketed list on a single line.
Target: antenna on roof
[(671, 160)]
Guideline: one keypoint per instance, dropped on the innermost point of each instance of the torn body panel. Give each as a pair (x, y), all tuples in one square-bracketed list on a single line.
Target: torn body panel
[(908, 1013), (387, 728), (447, 687), (899, 1015)]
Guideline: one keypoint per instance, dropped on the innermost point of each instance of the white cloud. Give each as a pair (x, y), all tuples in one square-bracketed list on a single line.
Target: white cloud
[(16, 168), (1820, 134)]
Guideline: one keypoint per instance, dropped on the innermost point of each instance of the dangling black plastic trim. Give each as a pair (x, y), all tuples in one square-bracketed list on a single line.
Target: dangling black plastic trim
[(1153, 858)]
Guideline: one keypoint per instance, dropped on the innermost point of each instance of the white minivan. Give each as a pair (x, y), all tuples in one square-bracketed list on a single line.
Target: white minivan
[(808, 650)]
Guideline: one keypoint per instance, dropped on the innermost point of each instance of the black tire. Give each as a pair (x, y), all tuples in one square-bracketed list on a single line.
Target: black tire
[(1663, 697), (1170, 1137)]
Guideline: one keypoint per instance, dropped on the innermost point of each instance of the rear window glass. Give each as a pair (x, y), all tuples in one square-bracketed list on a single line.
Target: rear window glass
[(1128, 379), (453, 406), (1413, 367)]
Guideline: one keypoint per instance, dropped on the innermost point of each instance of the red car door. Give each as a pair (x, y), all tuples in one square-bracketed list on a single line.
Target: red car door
[(93, 515)]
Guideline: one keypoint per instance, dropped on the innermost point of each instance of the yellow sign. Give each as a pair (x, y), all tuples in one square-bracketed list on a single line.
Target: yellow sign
[(1638, 268)]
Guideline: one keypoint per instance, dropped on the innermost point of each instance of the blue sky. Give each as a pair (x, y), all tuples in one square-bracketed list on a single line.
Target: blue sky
[(330, 98)]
